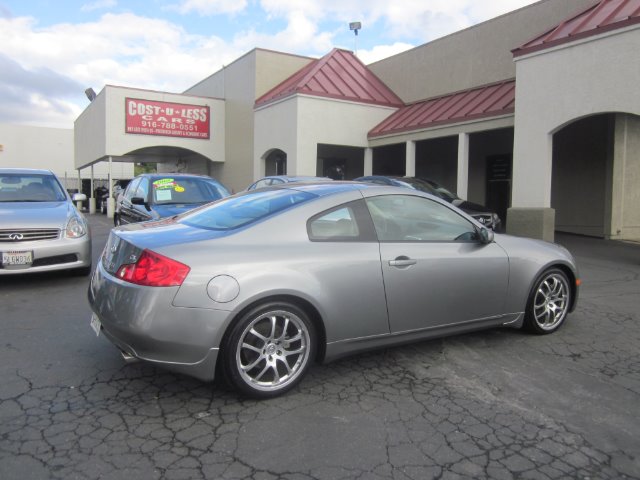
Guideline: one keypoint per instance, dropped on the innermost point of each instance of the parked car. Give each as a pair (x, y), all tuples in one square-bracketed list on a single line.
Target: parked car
[(479, 212), (268, 281), (280, 179), (41, 229), (151, 196), (102, 194)]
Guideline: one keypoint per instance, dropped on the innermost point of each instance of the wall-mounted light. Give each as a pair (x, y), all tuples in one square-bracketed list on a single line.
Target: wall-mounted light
[(91, 94)]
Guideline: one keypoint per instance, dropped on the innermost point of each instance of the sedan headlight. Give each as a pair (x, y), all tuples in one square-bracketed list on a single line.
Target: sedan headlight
[(76, 228)]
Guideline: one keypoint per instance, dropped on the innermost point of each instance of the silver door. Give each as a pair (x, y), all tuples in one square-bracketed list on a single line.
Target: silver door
[(435, 271)]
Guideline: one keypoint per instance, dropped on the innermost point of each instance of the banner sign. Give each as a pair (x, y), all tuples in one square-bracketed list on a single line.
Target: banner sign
[(148, 117)]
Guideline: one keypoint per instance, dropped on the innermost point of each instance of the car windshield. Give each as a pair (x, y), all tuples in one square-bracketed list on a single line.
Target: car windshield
[(30, 187), (178, 190), (245, 208)]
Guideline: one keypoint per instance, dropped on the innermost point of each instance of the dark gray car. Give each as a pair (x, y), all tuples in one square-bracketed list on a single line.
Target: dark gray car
[(152, 196), (481, 213), (263, 283)]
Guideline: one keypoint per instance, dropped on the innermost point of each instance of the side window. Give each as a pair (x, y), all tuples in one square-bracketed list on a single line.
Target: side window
[(143, 189), (263, 183), (347, 223), (131, 188), (407, 218)]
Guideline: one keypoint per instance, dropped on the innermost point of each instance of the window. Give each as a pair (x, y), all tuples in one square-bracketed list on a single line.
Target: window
[(407, 218), (143, 189), (131, 189), (244, 209), (349, 222), (337, 224)]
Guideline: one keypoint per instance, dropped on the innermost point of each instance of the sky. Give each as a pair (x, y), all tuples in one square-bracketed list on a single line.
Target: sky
[(51, 51)]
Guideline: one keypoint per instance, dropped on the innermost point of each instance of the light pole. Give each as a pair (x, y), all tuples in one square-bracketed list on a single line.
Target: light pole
[(355, 26)]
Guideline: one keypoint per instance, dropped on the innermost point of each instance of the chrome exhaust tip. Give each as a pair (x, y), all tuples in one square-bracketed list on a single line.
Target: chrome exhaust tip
[(128, 358)]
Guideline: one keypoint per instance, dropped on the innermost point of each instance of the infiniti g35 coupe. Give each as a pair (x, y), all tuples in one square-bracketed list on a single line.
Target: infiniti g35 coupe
[(40, 228), (266, 282)]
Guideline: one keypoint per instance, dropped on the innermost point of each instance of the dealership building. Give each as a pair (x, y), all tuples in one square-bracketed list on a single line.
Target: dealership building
[(535, 114)]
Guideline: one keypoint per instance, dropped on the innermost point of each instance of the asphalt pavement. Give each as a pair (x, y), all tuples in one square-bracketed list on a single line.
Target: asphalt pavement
[(499, 404)]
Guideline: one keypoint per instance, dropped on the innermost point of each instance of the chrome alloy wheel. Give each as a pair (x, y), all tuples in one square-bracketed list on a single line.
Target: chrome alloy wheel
[(273, 350), (551, 301)]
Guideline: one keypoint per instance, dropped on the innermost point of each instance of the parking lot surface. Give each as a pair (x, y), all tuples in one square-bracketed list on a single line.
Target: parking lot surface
[(496, 404)]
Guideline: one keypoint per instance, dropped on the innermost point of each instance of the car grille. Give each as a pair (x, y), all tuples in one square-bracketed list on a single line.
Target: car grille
[(41, 262), (29, 235)]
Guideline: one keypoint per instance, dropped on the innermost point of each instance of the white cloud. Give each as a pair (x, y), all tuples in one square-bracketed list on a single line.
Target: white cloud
[(407, 19), (122, 49), (210, 7), (98, 5), (300, 35), (51, 66), (382, 51)]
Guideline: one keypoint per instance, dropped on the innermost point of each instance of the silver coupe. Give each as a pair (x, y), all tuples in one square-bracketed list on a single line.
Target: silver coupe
[(262, 284)]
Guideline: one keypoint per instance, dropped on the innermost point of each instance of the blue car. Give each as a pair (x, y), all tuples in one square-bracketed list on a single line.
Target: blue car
[(153, 196)]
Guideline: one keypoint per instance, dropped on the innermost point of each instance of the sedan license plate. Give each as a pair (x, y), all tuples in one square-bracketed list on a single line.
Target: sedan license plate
[(17, 258), (95, 324)]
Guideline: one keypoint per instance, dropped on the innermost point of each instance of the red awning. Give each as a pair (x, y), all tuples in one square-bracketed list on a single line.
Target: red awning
[(482, 102), (339, 74), (605, 16)]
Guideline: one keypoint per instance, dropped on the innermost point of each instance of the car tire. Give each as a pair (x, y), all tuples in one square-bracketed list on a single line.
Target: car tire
[(269, 349), (549, 302)]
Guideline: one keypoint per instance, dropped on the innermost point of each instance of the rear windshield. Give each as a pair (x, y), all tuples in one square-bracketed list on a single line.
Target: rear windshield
[(30, 187), (245, 208)]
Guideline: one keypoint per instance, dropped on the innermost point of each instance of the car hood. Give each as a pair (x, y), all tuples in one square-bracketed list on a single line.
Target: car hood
[(470, 206), (34, 214)]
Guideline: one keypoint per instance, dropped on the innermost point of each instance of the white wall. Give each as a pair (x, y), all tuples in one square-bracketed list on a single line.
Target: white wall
[(475, 56), (240, 84), (52, 149), (276, 126), (101, 127), (557, 86), (332, 122)]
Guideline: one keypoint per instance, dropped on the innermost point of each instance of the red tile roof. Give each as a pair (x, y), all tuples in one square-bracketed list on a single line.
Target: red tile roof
[(339, 74), (605, 16), (487, 101)]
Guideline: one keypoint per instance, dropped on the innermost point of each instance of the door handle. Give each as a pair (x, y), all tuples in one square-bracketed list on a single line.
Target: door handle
[(402, 262)]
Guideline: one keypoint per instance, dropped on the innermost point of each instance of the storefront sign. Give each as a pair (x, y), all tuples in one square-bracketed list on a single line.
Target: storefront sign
[(148, 117)]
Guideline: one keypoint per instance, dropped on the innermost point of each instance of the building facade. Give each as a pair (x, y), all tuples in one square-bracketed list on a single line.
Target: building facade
[(534, 114)]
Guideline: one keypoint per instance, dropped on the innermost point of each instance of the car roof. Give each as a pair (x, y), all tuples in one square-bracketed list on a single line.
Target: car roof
[(321, 188), (38, 171), (174, 174), (293, 178)]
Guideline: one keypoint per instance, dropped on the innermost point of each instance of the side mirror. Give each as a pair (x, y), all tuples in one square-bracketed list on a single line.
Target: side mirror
[(140, 201), (79, 197), (486, 235)]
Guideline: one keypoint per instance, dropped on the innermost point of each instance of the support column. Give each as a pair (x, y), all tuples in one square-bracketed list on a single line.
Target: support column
[(410, 167), (531, 214), (79, 204), (463, 165), (368, 162), (92, 198), (110, 201)]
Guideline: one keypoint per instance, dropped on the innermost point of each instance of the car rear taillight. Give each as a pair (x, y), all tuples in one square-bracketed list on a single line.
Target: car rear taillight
[(153, 270)]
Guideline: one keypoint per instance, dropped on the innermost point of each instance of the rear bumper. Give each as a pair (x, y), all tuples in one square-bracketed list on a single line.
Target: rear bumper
[(143, 323)]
